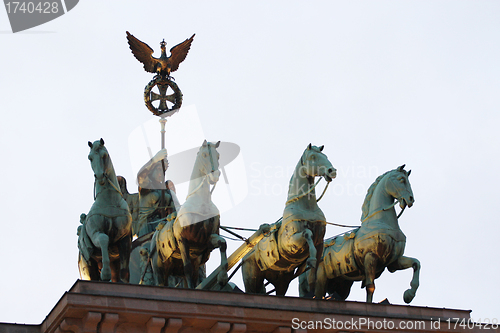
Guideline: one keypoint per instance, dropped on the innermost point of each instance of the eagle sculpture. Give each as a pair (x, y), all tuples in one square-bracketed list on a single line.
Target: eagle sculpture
[(163, 65)]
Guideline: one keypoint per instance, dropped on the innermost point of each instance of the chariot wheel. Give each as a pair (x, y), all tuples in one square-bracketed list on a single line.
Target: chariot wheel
[(174, 99)]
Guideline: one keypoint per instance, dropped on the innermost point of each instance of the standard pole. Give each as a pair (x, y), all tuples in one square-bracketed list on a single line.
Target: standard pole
[(163, 121)]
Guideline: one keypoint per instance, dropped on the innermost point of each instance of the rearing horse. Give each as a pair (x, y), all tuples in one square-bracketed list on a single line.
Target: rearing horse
[(184, 244), (299, 239), (108, 223), (363, 254)]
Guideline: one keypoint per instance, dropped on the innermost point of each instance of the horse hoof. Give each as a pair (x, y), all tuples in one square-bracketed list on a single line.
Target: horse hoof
[(222, 278), (408, 296), (106, 275), (311, 263)]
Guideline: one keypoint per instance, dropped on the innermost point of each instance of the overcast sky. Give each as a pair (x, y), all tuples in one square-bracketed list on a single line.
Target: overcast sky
[(379, 83)]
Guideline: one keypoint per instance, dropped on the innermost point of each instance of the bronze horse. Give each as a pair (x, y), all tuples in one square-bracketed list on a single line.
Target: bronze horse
[(105, 237), (299, 239), (183, 245), (362, 255)]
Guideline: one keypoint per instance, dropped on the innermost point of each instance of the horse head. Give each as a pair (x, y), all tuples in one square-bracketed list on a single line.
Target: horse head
[(209, 157), (316, 164), (99, 160), (398, 186)]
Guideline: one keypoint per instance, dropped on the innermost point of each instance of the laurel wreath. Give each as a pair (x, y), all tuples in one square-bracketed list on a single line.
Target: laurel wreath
[(162, 81)]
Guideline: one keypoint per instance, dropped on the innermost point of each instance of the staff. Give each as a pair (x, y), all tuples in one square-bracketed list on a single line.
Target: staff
[(163, 121)]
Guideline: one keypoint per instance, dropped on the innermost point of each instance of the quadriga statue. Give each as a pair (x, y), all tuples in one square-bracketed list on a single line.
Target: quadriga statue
[(298, 242), (363, 254), (105, 235)]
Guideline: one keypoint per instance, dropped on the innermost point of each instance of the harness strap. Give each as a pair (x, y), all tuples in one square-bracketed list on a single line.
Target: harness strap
[(198, 187), (113, 185), (303, 195), (324, 191), (381, 210), (110, 182), (342, 225)]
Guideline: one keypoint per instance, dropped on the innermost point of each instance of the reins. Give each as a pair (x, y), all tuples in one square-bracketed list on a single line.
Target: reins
[(198, 187), (310, 190), (369, 216), (110, 182), (387, 208), (384, 209)]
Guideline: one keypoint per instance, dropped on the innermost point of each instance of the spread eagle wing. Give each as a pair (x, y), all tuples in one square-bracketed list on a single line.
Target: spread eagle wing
[(143, 53), (179, 52)]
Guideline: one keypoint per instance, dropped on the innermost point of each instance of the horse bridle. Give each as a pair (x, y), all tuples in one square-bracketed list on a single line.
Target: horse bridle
[(387, 208), (106, 176), (211, 164), (310, 190), (213, 170)]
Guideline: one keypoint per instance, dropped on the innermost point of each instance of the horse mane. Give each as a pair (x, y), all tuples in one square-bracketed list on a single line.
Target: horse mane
[(366, 204), (113, 177)]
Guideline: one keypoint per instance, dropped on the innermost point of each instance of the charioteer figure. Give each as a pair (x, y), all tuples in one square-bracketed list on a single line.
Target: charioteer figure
[(157, 198)]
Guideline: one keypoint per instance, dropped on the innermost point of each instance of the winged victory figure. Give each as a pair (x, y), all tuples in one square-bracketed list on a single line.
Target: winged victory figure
[(163, 65)]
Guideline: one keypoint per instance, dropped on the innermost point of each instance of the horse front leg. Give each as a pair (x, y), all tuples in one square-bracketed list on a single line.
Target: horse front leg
[(404, 263), (370, 264), (217, 241), (312, 260), (102, 242)]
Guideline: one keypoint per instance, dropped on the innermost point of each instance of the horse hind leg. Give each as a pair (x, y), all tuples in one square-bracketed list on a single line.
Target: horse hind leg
[(124, 249), (217, 241), (404, 263), (115, 270), (370, 264), (340, 287), (321, 282), (282, 283), (253, 277), (304, 286), (156, 267), (188, 265)]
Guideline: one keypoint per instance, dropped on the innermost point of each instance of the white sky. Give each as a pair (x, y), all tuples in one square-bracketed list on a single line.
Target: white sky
[(379, 83)]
